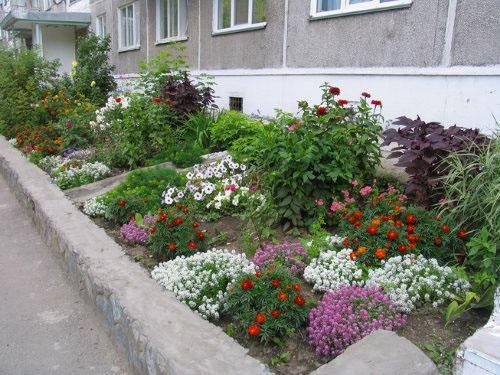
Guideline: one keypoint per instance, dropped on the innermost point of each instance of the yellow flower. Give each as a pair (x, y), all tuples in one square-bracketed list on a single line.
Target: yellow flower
[(74, 64), (92, 84)]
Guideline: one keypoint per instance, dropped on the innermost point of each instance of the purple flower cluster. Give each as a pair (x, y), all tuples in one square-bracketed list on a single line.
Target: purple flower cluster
[(288, 254), (134, 233), (73, 153), (348, 314)]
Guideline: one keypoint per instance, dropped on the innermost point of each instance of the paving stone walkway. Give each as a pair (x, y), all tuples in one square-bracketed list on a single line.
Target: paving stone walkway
[(46, 327)]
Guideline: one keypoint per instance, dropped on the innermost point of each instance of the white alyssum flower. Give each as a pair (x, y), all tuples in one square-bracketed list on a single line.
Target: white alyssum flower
[(13, 142), (332, 269), (94, 207), (101, 123), (414, 280), (201, 281)]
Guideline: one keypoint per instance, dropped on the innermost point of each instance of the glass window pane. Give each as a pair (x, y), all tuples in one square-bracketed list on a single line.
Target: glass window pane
[(359, 1), (173, 24), (258, 11), (326, 5), (224, 15), (123, 27), (241, 12), (162, 17)]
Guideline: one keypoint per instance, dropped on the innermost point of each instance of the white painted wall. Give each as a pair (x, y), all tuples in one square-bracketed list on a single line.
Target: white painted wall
[(79, 6), (59, 43), (468, 97)]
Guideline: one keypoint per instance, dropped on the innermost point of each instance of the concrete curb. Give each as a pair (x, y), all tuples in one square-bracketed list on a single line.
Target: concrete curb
[(158, 334)]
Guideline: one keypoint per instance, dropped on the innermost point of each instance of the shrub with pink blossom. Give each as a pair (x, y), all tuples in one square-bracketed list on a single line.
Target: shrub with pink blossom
[(288, 254), (346, 315), (135, 233)]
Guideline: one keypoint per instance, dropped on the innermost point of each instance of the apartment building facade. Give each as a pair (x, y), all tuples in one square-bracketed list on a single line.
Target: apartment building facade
[(439, 59)]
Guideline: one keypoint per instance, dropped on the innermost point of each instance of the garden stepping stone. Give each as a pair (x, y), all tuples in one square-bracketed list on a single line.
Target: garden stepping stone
[(382, 352)]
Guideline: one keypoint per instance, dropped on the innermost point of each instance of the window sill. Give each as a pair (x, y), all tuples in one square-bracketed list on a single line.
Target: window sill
[(171, 40), (239, 29), (127, 49), (341, 13)]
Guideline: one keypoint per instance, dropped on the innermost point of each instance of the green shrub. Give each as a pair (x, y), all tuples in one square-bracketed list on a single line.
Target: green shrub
[(472, 188), (197, 128), (314, 157), (231, 126), (93, 74), (141, 191), (187, 154), (25, 78)]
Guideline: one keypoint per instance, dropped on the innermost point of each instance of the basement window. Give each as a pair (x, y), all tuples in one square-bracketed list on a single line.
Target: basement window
[(236, 103)]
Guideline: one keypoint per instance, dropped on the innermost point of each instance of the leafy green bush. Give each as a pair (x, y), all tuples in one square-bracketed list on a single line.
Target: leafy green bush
[(309, 159), (143, 132), (139, 193), (472, 188), (231, 126), (93, 74), (25, 78), (187, 154), (197, 128)]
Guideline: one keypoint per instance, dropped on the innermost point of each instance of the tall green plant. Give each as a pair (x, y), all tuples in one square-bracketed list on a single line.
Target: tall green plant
[(93, 74), (472, 188)]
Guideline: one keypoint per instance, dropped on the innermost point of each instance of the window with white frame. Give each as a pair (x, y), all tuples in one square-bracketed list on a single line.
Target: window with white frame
[(47, 4), (171, 19), (100, 26), (238, 14), (128, 27), (322, 8)]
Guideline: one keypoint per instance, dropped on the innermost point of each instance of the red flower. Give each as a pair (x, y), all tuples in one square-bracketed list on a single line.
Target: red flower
[(412, 238), (351, 219), (445, 228), (402, 249), (437, 241), (275, 314), (152, 230), (121, 202), (462, 233), (398, 223), (276, 283), (186, 211), (297, 287), (321, 111), (353, 256), (377, 103), (334, 91), (192, 244), (156, 100), (410, 229), (346, 242), (253, 330), (258, 274), (200, 235), (178, 221), (380, 253), (392, 235), (358, 215), (172, 246), (342, 102), (411, 219), (412, 246), (195, 225), (247, 285), (299, 300), (118, 100), (372, 230), (282, 296), (260, 318), (366, 95)]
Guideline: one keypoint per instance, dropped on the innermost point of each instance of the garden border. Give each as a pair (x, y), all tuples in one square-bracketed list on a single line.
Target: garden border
[(133, 306)]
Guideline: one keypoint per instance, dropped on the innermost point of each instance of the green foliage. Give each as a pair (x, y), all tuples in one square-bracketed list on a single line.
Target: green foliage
[(440, 353), (176, 233), (141, 192), (281, 358), (25, 78), (197, 128), (143, 132), (93, 74), (315, 156), (472, 188), (231, 126), (187, 154), (270, 300)]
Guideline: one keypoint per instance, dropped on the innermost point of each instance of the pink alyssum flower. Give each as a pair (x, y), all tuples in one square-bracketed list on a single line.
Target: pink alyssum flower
[(365, 190), (319, 202), (292, 127), (290, 254), (337, 206)]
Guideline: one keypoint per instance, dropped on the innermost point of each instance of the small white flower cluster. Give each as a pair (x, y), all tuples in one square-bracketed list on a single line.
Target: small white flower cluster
[(205, 180), (413, 280), (13, 141), (51, 163), (332, 269), (90, 172), (232, 196), (101, 123), (201, 281), (93, 207)]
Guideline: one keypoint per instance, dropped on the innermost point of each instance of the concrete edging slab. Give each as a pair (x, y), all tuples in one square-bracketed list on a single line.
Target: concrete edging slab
[(158, 334)]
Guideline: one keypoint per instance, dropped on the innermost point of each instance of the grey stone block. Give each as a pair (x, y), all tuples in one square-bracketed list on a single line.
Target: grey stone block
[(380, 353)]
